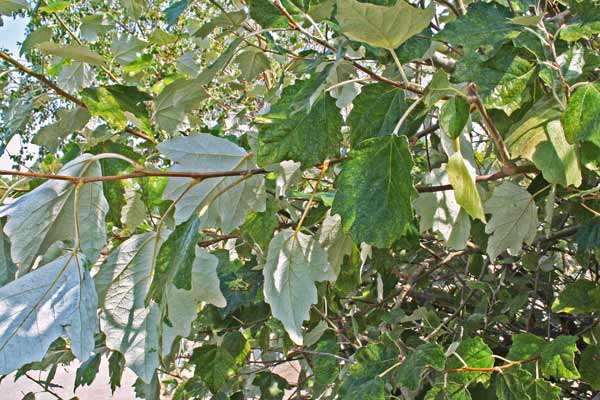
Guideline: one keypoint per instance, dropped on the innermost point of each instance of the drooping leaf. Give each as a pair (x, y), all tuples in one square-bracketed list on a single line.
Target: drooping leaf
[(41, 35), (224, 201), (88, 371), (376, 112), (175, 259), (334, 241), (579, 297), (375, 192), (382, 26), (514, 219), (440, 212), (294, 263), (7, 266), (122, 284), (17, 116), (54, 300), (454, 115), (74, 52), (465, 189), (293, 133), (118, 105), (134, 211), (182, 304), (46, 215), (69, 121)]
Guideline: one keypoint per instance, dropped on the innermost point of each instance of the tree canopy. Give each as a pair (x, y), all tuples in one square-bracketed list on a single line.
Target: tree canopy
[(395, 199)]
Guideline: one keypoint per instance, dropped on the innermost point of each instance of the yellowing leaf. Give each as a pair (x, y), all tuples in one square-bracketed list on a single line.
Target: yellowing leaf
[(465, 190), (381, 26)]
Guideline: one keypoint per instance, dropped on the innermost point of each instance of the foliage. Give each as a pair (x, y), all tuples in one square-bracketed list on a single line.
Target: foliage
[(325, 199)]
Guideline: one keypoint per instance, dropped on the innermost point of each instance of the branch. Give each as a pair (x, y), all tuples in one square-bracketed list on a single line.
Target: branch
[(491, 129), (498, 369), (62, 93), (408, 86), (218, 174)]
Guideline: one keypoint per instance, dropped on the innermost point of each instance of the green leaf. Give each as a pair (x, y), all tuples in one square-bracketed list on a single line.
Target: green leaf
[(7, 266), (37, 308), (539, 137), (465, 189), (588, 235), (134, 211), (229, 20), (579, 297), (122, 284), (174, 11), (34, 217), (88, 371), (440, 212), (588, 366), (510, 384), (578, 31), (175, 258), (224, 202), (514, 219), (417, 362), (267, 15), (118, 105), (252, 62), (476, 354), (454, 115), (272, 386), (295, 261), (9, 7), (217, 364), (381, 26), (72, 52), (502, 81), (376, 111), (448, 391), (558, 358), (485, 25), (213, 69), (17, 116), (581, 118), (375, 191), (69, 121), (75, 76), (543, 390), (116, 366), (326, 368), (292, 133), (362, 381)]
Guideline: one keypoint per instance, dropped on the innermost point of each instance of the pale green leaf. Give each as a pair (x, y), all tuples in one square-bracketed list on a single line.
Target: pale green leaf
[(126, 49), (96, 25), (294, 263), (8, 7), (207, 153), (45, 215), (440, 212), (122, 284), (514, 219), (41, 35), (375, 191), (454, 116), (75, 76), (465, 189), (175, 101), (7, 266), (74, 52), (252, 62), (334, 241), (69, 121), (54, 300), (381, 26), (134, 211)]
